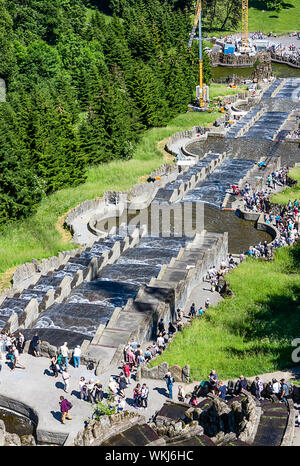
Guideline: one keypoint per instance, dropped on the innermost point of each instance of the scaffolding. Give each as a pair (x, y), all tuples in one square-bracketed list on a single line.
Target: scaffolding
[(245, 23)]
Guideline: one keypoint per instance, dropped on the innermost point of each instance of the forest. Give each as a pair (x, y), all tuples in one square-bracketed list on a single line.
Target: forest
[(85, 79)]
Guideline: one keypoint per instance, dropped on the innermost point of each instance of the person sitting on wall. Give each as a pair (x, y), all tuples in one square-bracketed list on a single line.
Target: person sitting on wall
[(171, 329)]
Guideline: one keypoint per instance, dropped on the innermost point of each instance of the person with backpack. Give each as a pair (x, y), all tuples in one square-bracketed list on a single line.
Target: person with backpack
[(169, 381), (65, 407)]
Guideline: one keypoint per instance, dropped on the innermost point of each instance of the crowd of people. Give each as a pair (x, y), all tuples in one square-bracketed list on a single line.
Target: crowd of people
[(11, 347), (286, 53), (275, 390), (286, 222)]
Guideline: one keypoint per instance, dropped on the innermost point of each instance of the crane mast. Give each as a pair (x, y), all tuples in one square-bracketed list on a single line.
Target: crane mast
[(244, 23), (198, 22)]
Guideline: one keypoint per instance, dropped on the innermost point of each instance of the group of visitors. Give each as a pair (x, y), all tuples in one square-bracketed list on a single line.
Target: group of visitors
[(285, 53), (284, 222), (276, 390), (11, 347)]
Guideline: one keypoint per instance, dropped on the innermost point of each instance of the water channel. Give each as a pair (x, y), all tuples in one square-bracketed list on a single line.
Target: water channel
[(92, 303)]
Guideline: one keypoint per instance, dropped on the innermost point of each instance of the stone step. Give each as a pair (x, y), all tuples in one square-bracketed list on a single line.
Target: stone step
[(138, 435)]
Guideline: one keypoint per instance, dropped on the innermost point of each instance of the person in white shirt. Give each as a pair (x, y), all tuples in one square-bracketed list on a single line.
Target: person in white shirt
[(66, 378), (82, 387), (161, 342), (16, 359), (65, 353), (76, 356), (113, 386), (276, 387)]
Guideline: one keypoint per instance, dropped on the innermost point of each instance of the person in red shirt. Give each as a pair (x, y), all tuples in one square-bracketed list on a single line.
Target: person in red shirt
[(126, 369)]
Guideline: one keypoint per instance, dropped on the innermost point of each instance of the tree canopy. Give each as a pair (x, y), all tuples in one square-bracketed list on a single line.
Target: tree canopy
[(84, 79)]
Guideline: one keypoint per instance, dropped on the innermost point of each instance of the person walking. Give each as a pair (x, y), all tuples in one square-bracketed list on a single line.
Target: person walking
[(169, 381), (76, 356), (65, 407), (15, 360), (180, 394), (66, 378)]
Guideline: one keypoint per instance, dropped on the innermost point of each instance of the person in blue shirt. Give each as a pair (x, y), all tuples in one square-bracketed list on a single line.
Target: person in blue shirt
[(169, 380), (222, 390), (200, 311)]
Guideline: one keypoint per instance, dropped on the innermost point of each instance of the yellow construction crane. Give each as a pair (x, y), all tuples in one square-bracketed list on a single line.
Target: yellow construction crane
[(197, 21), (244, 23)]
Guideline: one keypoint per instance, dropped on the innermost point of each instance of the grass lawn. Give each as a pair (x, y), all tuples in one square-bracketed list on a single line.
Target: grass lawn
[(287, 20), (259, 19), (250, 333), (38, 236)]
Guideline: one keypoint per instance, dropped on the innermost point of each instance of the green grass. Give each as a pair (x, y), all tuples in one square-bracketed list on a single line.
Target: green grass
[(216, 90), (250, 333), (286, 21), (289, 193), (37, 236), (283, 22)]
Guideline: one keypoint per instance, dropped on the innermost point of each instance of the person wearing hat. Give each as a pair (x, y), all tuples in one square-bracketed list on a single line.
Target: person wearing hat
[(76, 356)]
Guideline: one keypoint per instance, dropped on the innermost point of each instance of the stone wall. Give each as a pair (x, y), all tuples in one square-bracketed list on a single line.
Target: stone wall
[(98, 431)]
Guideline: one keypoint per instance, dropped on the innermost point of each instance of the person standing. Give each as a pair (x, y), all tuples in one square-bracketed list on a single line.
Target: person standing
[(65, 353), (259, 386), (144, 396), (137, 396), (122, 384), (36, 345), (20, 342), (76, 356), (169, 381), (98, 394), (161, 342), (65, 406), (127, 373), (66, 378), (2, 344), (284, 391)]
